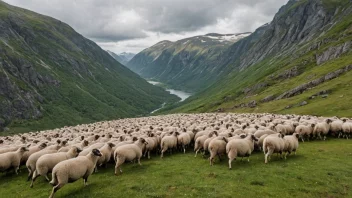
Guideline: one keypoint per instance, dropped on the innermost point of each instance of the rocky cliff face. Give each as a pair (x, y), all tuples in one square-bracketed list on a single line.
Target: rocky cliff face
[(50, 73), (307, 42)]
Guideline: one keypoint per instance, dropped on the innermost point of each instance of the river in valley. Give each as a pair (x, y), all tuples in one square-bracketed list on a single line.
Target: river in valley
[(181, 94)]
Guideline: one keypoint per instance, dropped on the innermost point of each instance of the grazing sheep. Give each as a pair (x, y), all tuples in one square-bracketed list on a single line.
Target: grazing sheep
[(240, 148), (106, 151), (32, 150), (32, 161), (46, 163), (273, 144), (71, 170), (184, 139), (322, 128), (305, 131), (291, 143), (129, 152), (12, 159), (168, 142), (199, 143), (217, 147)]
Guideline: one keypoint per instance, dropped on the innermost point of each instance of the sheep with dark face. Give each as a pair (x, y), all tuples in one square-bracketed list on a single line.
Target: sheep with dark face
[(322, 128), (273, 144), (71, 170)]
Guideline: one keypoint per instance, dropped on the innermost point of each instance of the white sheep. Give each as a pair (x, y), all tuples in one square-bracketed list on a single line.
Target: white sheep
[(291, 143), (32, 161), (129, 152), (322, 128), (73, 169), (273, 144), (217, 147), (240, 148), (46, 163), (12, 159), (168, 142)]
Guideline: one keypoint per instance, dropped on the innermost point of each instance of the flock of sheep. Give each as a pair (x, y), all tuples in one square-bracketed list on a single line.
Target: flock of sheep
[(71, 153)]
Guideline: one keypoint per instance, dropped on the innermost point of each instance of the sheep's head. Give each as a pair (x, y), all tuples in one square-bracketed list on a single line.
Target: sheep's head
[(1, 141), (35, 141), (142, 140), (243, 127), (96, 152), (134, 139), (23, 149), (78, 150), (281, 135), (243, 136), (256, 127), (312, 125), (42, 145), (184, 130), (296, 135), (63, 143), (225, 139), (58, 141), (230, 134), (254, 138), (111, 144), (96, 137), (328, 121), (176, 133), (344, 120), (85, 143)]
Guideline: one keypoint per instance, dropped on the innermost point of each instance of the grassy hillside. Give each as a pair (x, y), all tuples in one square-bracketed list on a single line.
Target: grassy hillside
[(51, 76), (320, 169), (296, 65)]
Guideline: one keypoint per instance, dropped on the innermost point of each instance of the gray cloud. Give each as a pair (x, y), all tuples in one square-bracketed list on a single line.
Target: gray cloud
[(120, 21)]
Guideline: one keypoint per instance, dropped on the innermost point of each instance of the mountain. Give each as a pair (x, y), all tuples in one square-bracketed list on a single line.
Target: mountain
[(298, 63), (51, 76), (123, 57), (189, 64)]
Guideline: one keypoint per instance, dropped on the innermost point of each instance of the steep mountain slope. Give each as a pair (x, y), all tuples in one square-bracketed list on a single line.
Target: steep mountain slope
[(122, 58), (52, 76), (299, 63), (189, 64)]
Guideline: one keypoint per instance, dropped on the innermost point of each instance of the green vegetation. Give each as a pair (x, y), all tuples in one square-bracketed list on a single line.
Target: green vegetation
[(67, 78), (228, 92), (320, 169)]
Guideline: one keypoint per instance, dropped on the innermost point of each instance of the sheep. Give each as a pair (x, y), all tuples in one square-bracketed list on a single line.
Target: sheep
[(346, 128), (106, 151), (56, 146), (240, 148), (32, 150), (81, 145), (129, 152), (322, 128), (71, 170), (336, 127), (260, 133), (304, 131), (217, 147), (273, 144), (199, 143), (291, 143), (32, 161), (46, 163), (184, 139), (12, 159), (152, 144), (90, 148), (168, 142), (211, 136)]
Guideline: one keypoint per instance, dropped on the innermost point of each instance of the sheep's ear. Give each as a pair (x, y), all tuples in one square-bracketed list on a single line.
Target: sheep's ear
[(254, 138), (142, 140)]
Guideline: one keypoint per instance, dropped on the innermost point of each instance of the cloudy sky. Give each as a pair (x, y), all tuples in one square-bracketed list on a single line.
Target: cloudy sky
[(133, 25)]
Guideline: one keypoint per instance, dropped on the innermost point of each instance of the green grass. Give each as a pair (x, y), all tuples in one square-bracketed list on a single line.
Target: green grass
[(320, 169)]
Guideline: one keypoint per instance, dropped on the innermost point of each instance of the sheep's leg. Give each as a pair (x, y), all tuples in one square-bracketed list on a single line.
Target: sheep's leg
[(148, 154), (16, 169), (230, 163), (184, 149), (55, 188), (302, 139), (35, 176), (47, 177), (139, 161), (248, 158), (267, 155), (219, 157), (85, 181), (241, 159), (324, 137), (29, 174), (196, 152)]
